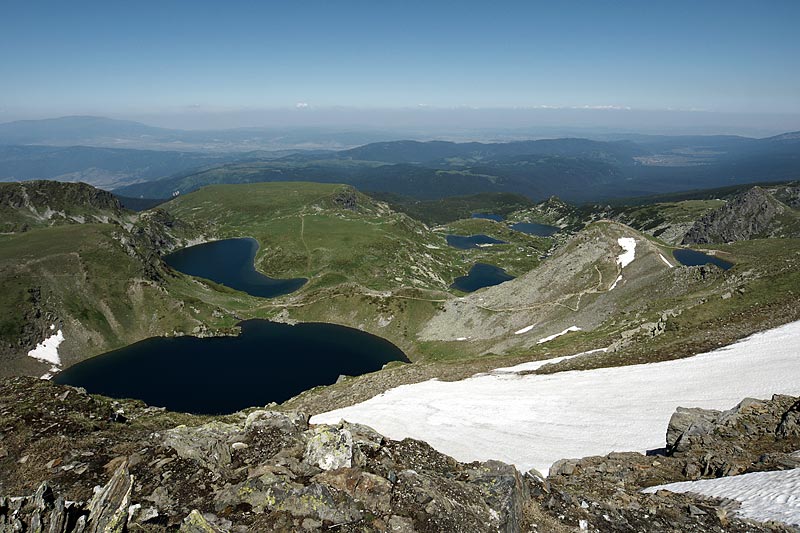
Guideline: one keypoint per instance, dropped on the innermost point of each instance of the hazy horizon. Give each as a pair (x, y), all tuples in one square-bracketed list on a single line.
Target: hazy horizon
[(462, 123), (682, 67)]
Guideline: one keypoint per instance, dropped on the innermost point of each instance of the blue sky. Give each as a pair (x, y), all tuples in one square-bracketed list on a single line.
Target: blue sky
[(139, 57)]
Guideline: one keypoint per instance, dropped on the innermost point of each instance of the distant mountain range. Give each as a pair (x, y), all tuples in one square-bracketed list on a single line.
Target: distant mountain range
[(112, 133), (579, 170), (108, 168)]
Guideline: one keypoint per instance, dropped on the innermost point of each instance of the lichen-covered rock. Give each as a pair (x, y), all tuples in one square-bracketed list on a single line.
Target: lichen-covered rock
[(372, 491), (196, 523), (208, 444), (504, 492), (108, 510), (287, 422), (329, 447)]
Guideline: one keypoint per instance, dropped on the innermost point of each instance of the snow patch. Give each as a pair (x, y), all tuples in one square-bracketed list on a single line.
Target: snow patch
[(533, 420), (763, 496), (535, 365), (624, 259), (665, 260), (629, 254), (526, 329), (555, 335), (47, 350)]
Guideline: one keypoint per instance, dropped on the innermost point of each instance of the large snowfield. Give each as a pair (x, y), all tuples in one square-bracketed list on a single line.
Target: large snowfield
[(532, 421), (763, 496)]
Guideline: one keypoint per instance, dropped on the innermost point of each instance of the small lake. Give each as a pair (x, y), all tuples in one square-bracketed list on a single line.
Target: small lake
[(488, 216), (229, 262), (532, 228), (481, 275), (268, 362), (688, 257), (473, 241)]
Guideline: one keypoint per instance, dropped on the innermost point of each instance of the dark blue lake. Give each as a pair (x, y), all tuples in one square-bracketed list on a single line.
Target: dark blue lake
[(532, 228), (488, 216), (268, 362), (230, 262), (473, 241), (688, 257), (481, 275)]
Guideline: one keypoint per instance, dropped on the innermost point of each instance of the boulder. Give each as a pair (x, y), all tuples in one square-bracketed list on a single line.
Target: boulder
[(689, 421), (329, 447), (209, 444), (372, 491), (196, 523)]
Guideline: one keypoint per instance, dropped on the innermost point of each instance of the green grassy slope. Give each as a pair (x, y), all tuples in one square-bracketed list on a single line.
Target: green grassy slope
[(368, 266), (86, 282), (328, 233), (454, 208)]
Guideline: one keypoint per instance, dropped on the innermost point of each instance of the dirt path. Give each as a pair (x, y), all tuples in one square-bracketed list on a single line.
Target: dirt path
[(303, 240)]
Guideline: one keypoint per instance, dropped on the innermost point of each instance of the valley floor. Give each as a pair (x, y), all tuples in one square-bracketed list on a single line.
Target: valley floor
[(533, 420)]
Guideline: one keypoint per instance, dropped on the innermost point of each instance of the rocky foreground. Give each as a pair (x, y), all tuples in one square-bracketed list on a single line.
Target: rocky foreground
[(74, 462)]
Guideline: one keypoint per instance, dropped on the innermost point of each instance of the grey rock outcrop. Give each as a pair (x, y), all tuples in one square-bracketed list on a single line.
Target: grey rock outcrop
[(108, 510), (688, 422), (752, 214), (270, 471)]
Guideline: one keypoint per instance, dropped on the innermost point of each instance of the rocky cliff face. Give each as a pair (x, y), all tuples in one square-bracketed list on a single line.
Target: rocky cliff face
[(271, 471), (46, 203), (753, 214)]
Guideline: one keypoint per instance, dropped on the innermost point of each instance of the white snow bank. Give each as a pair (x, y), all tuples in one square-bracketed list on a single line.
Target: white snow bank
[(534, 365), (629, 254), (665, 260), (47, 350), (625, 258), (763, 495), (555, 335), (526, 329), (534, 420)]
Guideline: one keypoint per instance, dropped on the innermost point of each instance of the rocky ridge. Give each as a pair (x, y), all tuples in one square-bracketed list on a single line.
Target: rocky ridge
[(263, 470), (755, 213), (46, 203)]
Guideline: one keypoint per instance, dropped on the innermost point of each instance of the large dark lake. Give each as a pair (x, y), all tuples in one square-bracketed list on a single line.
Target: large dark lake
[(532, 228), (688, 257), (268, 362), (481, 275), (230, 262), (473, 241)]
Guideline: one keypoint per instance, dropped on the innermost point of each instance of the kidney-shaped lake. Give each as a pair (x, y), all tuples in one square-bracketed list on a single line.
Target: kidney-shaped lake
[(229, 262)]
